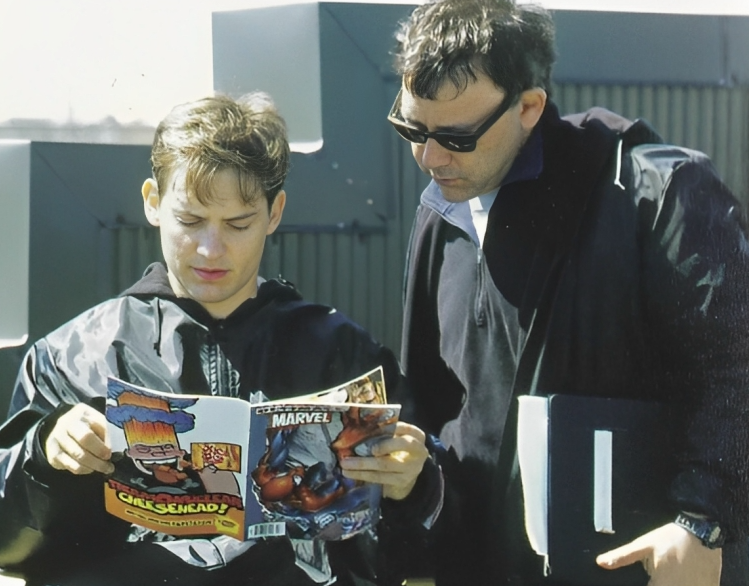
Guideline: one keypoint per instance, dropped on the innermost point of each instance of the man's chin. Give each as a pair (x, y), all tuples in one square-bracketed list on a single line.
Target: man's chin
[(456, 195)]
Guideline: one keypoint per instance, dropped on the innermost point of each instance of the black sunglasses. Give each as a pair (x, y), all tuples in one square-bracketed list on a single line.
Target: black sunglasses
[(459, 143)]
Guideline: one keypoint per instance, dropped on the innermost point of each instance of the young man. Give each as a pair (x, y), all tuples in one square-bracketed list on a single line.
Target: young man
[(558, 256), (204, 324)]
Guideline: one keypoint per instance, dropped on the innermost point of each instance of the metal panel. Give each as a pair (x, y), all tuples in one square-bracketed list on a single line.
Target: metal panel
[(677, 49), (87, 236), (342, 186), (244, 39), (15, 201)]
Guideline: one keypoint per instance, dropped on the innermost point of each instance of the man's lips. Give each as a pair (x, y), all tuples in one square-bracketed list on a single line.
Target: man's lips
[(444, 180), (210, 274)]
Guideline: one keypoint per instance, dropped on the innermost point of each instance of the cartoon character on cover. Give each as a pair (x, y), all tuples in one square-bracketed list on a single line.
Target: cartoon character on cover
[(367, 390), (361, 428), (151, 425), (299, 475), (285, 483)]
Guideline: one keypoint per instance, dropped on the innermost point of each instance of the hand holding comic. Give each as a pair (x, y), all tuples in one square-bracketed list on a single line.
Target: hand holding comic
[(78, 442), (395, 463)]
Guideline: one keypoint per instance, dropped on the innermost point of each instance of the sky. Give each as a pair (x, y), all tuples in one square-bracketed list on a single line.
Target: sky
[(82, 62)]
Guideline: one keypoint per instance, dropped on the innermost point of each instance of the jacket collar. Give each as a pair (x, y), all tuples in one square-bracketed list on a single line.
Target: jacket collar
[(155, 283), (527, 165)]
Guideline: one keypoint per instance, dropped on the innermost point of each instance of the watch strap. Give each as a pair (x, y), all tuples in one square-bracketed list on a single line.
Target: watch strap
[(708, 532)]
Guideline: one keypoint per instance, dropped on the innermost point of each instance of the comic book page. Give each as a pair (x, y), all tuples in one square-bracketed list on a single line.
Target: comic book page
[(367, 388), (205, 465), (297, 485), (180, 461)]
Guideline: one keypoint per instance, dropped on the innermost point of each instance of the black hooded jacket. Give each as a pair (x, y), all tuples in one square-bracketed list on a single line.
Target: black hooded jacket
[(275, 342), (620, 269)]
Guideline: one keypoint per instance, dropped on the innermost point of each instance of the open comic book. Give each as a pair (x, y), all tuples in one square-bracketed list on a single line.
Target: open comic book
[(202, 465)]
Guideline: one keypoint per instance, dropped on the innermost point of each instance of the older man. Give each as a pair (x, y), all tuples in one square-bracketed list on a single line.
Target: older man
[(568, 256)]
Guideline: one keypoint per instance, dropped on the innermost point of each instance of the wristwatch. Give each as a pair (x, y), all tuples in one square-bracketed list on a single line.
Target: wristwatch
[(708, 532)]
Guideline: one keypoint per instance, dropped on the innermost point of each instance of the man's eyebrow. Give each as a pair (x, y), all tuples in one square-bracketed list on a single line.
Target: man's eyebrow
[(452, 129), (180, 209), (241, 217), (458, 128), (188, 212)]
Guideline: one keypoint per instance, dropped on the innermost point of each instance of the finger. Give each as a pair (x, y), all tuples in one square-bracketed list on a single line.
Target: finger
[(398, 477), (88, 439), (60, 460), (393, 465), (97, 422), (73, 436), (393, 483), (373, 476), (72, 465), (635, 551), (84, 460), (87, 427), (403, 428), (413, 446), (90, 418)]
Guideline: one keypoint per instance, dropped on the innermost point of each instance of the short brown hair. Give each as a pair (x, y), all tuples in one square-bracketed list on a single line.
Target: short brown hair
[(217, 133)]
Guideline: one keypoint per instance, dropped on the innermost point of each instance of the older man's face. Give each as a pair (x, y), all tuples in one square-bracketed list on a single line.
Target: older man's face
[(462, 176)]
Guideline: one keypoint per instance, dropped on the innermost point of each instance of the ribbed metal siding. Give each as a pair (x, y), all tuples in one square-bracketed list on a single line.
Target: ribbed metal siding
[(361, 274), (714, 120), (131, 250)]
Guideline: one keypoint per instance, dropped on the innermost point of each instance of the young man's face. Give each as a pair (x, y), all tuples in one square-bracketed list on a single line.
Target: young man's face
[(462, 176), (212, 252)]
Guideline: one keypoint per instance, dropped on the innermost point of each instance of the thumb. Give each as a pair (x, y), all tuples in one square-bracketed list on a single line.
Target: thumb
[(635, 551)]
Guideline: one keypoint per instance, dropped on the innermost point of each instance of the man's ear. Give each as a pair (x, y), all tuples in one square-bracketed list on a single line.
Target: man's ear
[(532, 104), (276, 212), (151, 201)]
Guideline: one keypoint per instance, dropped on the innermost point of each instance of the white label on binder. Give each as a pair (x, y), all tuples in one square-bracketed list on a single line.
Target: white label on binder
[(602, 482), (533, 458)]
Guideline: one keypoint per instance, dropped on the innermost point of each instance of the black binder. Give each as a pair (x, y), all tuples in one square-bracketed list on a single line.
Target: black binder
[(641, 469)]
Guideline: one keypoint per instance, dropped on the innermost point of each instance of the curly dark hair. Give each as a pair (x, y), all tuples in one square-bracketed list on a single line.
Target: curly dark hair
[(456, 39), (217, 133)]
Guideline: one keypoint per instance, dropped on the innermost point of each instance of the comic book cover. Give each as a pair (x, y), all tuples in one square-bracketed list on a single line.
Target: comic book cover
[(204, 465)]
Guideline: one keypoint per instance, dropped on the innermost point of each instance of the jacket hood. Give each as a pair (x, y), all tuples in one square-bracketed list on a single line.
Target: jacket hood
[(632, 132), (155, 283)]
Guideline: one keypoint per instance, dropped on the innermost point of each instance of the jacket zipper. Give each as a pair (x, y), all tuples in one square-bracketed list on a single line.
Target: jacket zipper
[(222, 378), (479, 309)]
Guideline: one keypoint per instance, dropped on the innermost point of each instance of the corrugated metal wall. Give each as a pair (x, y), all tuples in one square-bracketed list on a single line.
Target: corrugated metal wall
[(361, 274), (714, 120)]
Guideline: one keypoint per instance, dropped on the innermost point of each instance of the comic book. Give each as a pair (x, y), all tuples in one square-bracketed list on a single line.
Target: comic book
[(206, 465)]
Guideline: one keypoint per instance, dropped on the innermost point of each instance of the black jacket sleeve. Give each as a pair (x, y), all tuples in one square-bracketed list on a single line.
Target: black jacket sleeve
[(696, 287), (38, 504)]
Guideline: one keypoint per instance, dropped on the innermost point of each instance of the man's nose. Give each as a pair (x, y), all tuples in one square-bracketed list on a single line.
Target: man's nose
[(433, 155), (211, 243)]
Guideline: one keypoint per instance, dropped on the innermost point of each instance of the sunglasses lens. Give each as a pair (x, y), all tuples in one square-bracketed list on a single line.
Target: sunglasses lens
[(410, 134), (459, 144), (452, 142)]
